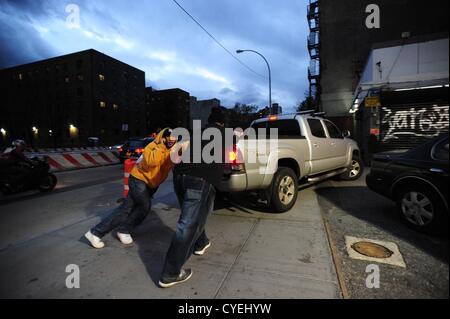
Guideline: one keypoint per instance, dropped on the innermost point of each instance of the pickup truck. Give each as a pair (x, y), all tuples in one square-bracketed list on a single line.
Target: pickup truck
[(310, 149)]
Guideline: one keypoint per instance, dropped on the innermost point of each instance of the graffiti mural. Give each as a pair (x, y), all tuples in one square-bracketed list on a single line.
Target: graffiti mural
[(419, 122)]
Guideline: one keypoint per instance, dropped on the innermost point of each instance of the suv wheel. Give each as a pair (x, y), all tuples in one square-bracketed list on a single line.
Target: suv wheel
[(284, 190), (355, 171), (421, 208)]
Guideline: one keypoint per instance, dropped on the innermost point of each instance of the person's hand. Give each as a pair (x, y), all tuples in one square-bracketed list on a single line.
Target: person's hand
[(177, 151)]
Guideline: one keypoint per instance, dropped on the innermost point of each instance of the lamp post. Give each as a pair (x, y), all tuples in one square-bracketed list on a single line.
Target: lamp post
[(270, 75)]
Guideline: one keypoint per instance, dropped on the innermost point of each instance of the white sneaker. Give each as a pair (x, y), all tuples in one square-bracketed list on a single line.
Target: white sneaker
[(125, 239), (201, 251), (95, 241)]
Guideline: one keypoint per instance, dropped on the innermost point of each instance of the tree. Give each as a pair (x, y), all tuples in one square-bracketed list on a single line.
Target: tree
[(309, 103), (241, 115)]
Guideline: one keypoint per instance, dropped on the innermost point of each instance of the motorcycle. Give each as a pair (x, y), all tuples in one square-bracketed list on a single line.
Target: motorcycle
[(39, 177)]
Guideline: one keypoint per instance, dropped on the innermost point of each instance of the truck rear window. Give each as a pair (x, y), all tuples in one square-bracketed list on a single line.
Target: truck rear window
[(286, 128)]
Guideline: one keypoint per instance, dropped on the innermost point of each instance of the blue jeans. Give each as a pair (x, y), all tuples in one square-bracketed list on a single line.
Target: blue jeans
[(131, 212), (196, 197)]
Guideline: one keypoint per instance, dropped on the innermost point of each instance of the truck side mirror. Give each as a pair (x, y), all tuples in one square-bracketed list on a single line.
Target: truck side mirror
[(346, 134)]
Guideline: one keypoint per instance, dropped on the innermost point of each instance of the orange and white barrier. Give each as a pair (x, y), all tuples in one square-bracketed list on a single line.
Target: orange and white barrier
[(79, 159), (128, 166)]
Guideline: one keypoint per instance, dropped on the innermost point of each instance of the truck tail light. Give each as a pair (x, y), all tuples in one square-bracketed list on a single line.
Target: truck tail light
[(139, 151), (235, 159)]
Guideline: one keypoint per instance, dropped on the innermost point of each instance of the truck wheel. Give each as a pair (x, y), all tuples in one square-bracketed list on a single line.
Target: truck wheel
[(284, 190), (355, 171)]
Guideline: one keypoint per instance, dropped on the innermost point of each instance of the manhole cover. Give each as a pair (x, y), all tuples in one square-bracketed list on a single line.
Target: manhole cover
[(372, 250)]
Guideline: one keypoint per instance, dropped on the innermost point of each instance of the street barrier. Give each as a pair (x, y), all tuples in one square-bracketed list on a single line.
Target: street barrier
[(78, 159), (128, 166)]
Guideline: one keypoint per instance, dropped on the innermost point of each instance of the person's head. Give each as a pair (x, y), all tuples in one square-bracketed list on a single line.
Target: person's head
[(167, 138), (20, 145), (216, 116)]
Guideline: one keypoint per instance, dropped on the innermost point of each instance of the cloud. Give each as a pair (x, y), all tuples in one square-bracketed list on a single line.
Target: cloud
[(226, 91), (211, 76), (157, 37)]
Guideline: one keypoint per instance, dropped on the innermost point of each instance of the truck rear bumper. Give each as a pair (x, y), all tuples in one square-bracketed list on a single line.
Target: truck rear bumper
[(234, 183)]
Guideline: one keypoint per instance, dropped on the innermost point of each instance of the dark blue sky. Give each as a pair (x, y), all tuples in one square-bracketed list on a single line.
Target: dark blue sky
[(158, 38)]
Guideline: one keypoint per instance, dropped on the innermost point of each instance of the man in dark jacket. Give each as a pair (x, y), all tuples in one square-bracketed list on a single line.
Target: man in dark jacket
[(194, 184)]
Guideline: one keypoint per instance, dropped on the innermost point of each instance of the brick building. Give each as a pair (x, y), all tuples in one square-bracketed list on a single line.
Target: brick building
[(64, 100)]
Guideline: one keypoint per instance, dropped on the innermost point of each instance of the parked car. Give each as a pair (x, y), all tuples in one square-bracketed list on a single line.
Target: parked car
[(133, 148), (116, 147), (310, 149), (417, 180)]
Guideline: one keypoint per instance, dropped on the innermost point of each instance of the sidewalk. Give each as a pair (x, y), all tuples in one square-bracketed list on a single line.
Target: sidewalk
[(253, 255)]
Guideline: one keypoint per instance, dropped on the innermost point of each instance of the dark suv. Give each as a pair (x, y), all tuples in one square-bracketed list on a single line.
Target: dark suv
[(134, 147)]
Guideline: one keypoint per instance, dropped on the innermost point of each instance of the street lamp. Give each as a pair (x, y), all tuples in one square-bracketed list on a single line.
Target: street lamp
[(270, 75)]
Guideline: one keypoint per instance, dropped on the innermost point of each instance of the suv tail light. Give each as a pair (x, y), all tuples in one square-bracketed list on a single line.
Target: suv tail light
[(139, 151)]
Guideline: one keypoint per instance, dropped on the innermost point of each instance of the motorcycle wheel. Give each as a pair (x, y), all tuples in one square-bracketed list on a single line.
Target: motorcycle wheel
[(48, 183)]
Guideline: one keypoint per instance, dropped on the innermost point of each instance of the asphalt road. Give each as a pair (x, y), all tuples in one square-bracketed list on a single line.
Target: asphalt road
[(351, 209), (254, 253)]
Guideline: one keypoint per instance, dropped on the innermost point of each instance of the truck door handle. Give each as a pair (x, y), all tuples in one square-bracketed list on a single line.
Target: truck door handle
[(316, 145), (332, 143)]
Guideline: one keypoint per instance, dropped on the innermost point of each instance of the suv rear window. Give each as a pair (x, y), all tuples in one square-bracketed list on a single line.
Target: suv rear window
[(316, 128)]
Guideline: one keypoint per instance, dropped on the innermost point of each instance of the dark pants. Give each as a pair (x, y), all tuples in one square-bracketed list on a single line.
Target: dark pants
[(196, 198), (131, 212)]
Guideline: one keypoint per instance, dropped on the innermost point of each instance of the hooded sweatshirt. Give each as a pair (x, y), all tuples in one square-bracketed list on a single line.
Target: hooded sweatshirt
[(155, 164)]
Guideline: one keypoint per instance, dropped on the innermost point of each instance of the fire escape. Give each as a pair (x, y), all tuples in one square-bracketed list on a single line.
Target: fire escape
[(314, 50)]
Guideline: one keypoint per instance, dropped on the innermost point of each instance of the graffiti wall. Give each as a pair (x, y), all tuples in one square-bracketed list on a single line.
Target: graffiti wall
[(406, 126)]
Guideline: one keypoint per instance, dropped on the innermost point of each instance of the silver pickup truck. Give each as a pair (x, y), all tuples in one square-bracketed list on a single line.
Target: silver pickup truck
[(309, 149)]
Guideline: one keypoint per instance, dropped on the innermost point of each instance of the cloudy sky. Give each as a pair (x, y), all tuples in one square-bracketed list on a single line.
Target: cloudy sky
[(157, 37)]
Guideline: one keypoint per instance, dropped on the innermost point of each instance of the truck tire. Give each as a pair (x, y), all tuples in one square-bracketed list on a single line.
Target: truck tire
[(355, 171), (284, 190)]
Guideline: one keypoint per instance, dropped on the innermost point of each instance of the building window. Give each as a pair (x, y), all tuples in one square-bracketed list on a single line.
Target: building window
[(67, 79), (102, 104), (80, 77), (79, 64), (20, 76), (115, 107), (101, 77)]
